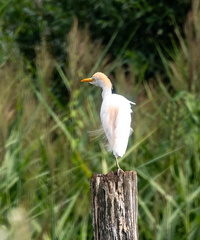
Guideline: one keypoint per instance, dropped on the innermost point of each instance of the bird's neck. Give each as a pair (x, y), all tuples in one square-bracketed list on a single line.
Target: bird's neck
[(106, 91)]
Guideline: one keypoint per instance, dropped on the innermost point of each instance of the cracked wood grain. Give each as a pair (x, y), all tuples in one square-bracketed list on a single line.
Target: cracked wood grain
[(114, 205)]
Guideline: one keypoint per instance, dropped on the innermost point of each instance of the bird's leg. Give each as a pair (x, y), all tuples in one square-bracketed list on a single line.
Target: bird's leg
[(118, 167), (117, 163)]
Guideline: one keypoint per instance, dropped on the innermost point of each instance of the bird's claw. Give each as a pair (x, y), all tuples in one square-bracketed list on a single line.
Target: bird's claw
[(118, 171)]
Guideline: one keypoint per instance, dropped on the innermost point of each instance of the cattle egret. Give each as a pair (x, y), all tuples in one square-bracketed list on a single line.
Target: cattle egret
[(115, 116)]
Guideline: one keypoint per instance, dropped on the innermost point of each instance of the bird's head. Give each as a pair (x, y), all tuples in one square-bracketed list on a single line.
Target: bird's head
[(99, 79)]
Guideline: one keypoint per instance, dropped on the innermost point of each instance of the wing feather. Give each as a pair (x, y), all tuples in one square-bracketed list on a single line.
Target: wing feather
[(116, 121)]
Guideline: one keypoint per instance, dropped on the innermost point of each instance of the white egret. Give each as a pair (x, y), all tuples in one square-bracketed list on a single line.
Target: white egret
[(115, 116)]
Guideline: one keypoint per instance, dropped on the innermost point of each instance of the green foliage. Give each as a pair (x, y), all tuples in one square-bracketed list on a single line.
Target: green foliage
[(47, 156), (142, 22)]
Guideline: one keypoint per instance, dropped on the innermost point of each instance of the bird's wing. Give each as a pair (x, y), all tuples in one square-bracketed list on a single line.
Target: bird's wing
[(116, 120)]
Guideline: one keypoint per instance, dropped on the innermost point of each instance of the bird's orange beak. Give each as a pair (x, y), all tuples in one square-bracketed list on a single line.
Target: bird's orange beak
[(87, 80)]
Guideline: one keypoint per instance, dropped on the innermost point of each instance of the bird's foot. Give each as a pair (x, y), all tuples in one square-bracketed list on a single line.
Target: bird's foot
[(118, 167), (118, 171)]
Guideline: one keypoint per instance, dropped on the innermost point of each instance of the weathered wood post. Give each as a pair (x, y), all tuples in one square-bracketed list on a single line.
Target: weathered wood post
[(114, 205)]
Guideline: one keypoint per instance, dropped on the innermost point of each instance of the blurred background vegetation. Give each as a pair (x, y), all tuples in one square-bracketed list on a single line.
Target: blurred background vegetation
[(151, 52)]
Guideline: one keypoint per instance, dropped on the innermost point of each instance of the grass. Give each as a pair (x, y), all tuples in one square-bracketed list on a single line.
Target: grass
[(48, 157)]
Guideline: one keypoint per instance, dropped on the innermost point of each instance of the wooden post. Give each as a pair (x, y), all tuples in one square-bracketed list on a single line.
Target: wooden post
[(114, 205)]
